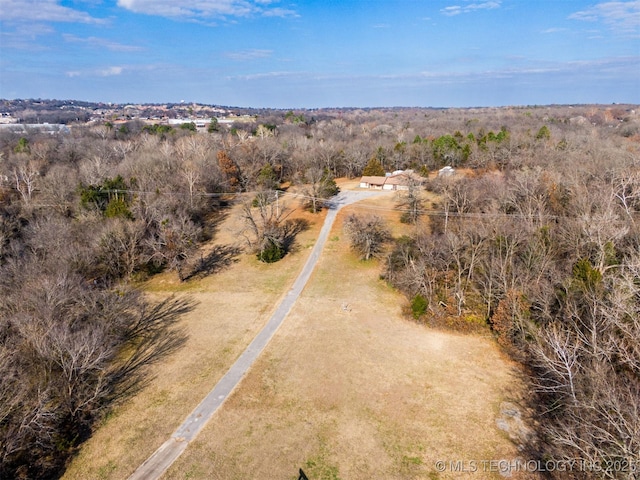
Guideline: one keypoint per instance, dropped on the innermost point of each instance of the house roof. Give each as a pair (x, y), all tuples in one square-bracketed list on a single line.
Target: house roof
[(373, 180), (397, 180), (403, 178)]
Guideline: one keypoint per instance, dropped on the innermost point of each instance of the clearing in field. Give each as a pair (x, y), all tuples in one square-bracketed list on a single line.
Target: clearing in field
[(347, 388)]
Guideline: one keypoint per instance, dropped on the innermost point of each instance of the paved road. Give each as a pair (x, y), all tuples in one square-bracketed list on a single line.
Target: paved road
[(169, 451)]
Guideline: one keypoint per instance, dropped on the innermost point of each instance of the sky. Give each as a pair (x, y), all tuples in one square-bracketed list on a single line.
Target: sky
[(322, 53)]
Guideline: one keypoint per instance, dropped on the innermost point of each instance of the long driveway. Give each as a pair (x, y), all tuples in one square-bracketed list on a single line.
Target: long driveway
[(169, 451)]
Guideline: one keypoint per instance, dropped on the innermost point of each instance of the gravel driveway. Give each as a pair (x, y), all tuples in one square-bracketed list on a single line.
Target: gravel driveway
[(170, 450)]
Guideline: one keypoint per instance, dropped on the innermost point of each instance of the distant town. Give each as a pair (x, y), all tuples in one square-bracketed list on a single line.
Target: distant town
[(55, 113)]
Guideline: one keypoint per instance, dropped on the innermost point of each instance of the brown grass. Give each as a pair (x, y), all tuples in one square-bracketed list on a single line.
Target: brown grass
[(233, 305), (347, 389)]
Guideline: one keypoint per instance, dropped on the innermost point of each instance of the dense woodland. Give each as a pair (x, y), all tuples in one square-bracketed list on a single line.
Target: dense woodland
[(534, 238)]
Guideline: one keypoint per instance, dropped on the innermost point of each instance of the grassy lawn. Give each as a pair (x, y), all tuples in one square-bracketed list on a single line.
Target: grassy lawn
[(347, 389)]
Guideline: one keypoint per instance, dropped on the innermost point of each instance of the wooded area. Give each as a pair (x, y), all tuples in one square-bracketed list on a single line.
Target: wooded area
[(534, 237)]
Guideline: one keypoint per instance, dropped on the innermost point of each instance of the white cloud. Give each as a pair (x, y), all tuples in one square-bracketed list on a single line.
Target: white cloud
[(279, 12), (554, 30), (110, 71), (42, 11), (196, 9), (451, 11), (98, 72), (472, 7), (263, 75), (101, 43), (622, 17), (248, 55), (23, 35), (603, 67)]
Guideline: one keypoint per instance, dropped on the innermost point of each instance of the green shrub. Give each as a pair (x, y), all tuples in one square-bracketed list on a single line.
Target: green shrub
[(419, 306), (110, 198), (271, 253), (586, 278), (117, 207), (544, 133)]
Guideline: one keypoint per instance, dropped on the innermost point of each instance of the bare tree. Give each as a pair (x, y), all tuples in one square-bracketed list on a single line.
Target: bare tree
[(121, 248), (368, 235), (123, 148), (355, 158), (25, 176), (69, 349), (174, 240), (626, 189), (191, 174), (411, 201), (264, 223), (319, 185)]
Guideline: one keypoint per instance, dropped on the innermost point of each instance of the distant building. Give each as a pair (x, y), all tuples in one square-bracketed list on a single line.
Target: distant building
[(398, 180), (6, 118), (51, 128)]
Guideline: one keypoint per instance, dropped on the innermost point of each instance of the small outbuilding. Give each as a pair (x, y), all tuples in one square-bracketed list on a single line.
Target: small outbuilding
[(446, 171)]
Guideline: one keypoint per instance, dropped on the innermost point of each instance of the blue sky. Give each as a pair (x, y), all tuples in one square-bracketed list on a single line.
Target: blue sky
[(322, 53)]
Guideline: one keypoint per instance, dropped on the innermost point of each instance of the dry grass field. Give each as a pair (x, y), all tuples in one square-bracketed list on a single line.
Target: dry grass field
[(232, 306), (347, 389)]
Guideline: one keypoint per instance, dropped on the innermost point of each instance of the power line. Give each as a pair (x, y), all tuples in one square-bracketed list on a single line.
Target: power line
[(359, 206)]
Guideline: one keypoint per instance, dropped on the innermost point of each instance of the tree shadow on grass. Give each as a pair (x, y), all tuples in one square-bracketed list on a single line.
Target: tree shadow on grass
[(221, 257), (150, 338), (211, 223), (148, 334), (290, 229)]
